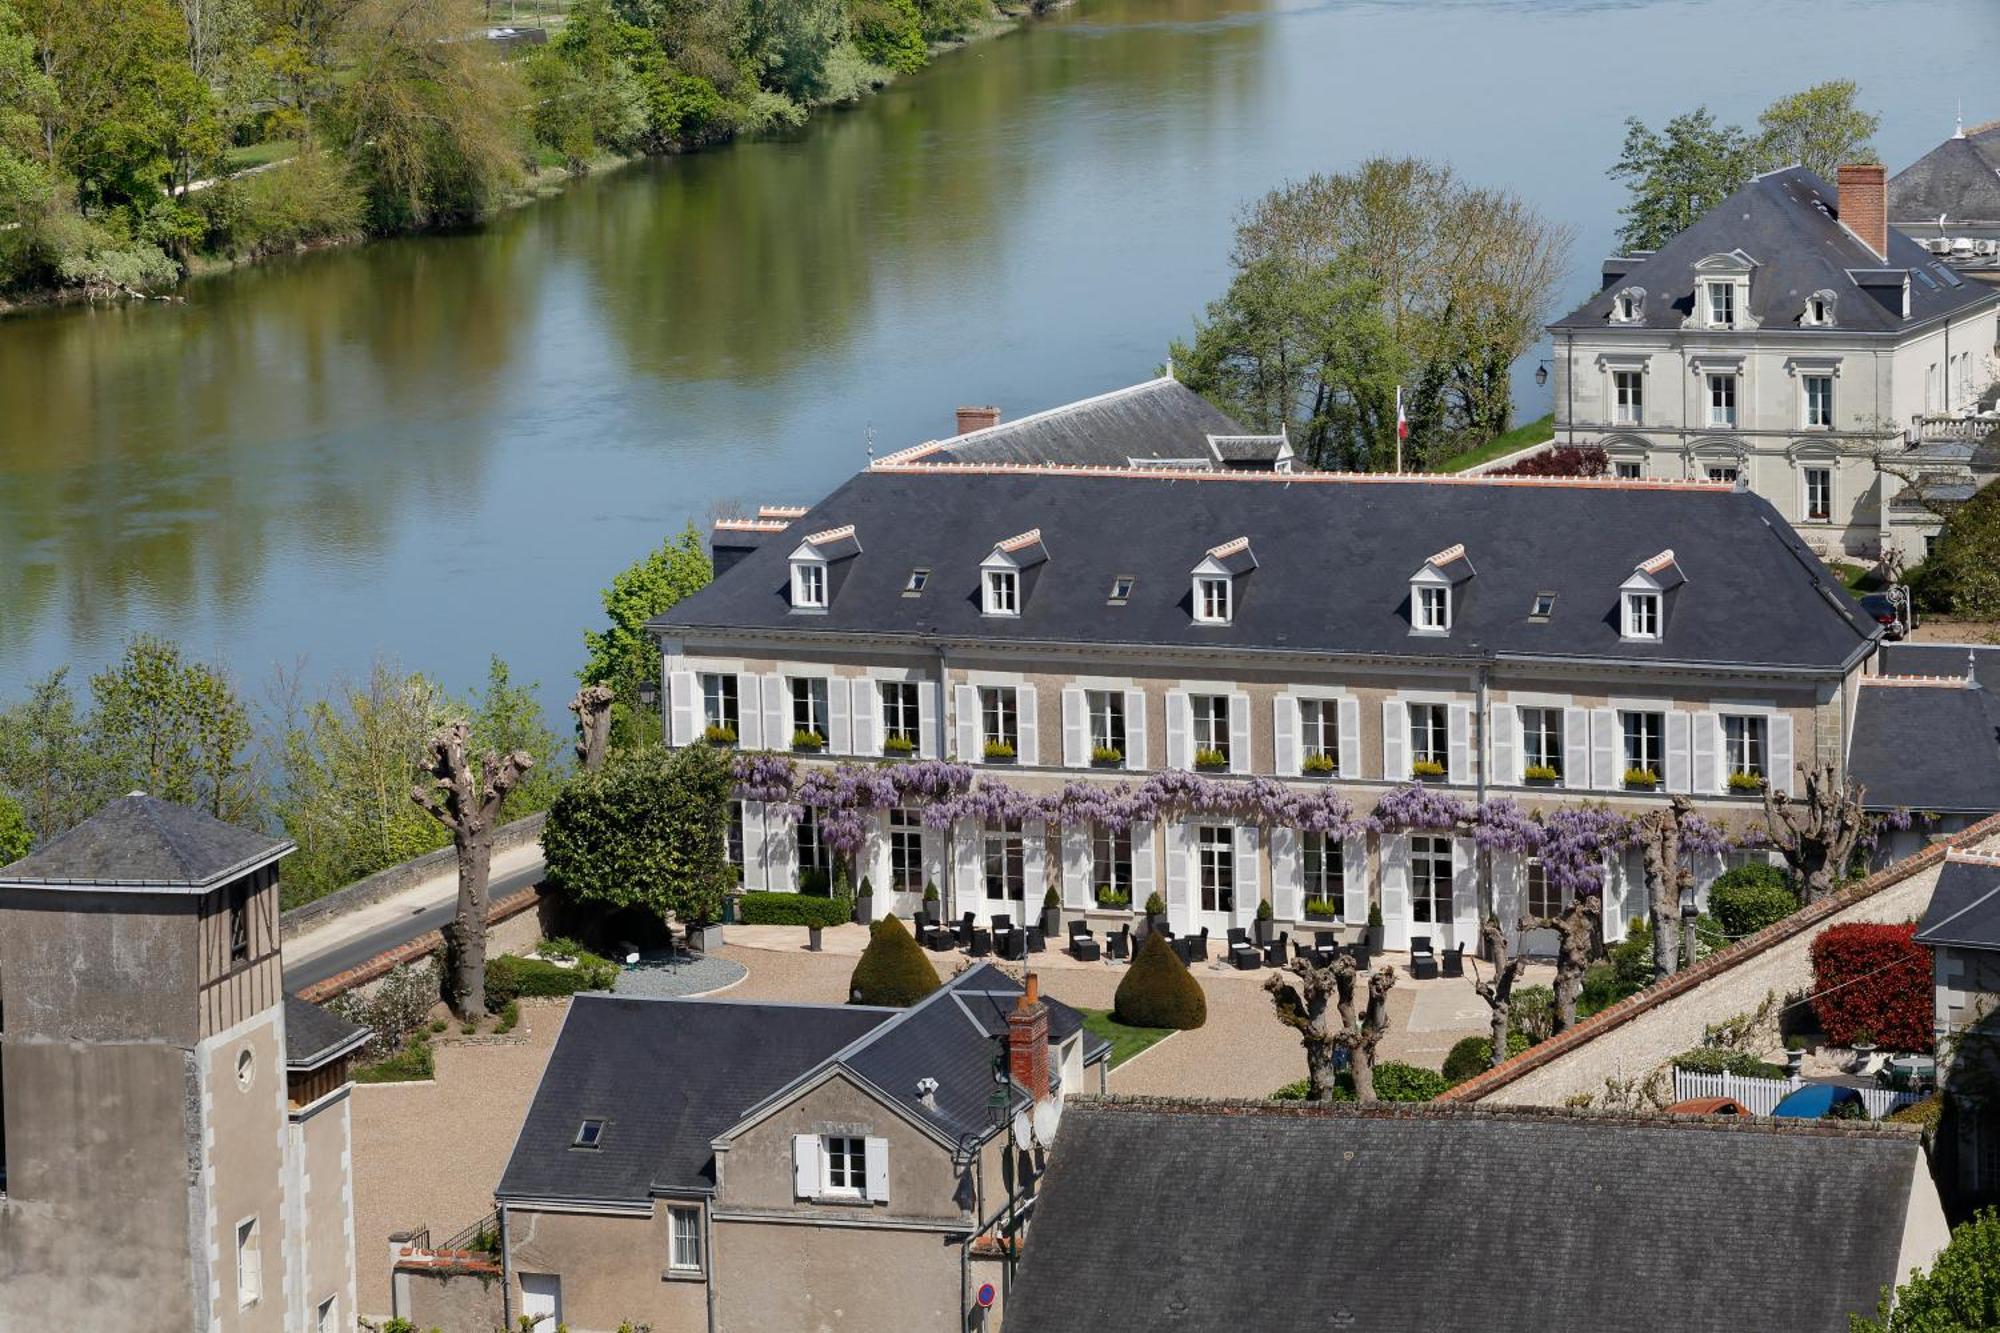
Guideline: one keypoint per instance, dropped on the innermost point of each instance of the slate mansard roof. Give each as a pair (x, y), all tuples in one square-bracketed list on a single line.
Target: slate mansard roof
[(1787, 223), (1334, 556), (1158, 420), (1927, 735), (1965, 907), (1424, 1218), (668, 1077), (139, 842), (1959, 179)]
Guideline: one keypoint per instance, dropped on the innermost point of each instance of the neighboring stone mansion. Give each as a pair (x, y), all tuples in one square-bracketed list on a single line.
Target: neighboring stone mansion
[(1547, 640), (1790, 338)]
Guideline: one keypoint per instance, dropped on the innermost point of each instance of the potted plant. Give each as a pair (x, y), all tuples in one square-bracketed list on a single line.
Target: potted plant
[(1111, 899), (1641, 779), (1210, 761), (1373, 935), (1156, 913), (1795, 1055), (1540, 775), (720, 733), (1106, 756), (932, 906), (1862, 1043), (808, 740), (1745, 782), (1051, 914), (899, 747), (864, 903), (1321, 909), (1317, 765), (1266, 929), (1426, 768), (998, 752)]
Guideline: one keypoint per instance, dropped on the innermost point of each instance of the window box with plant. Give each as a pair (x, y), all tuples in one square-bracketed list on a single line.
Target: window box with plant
[(720, 734), (1540, 775), (1427, 768), (809, 741), (998, 752), (1322, 909), (1111, 900), (1746, 782), (1210, 761), (1106, 756), (1641, 779), (1317, 765), (899, 747)]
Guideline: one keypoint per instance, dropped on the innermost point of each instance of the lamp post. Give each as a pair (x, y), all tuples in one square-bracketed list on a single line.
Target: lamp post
[(1689, 911), (1541, 374), (998, 1107), (649, 693)]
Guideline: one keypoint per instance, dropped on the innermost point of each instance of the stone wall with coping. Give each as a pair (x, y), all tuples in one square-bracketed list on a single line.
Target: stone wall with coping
[(397, 878)]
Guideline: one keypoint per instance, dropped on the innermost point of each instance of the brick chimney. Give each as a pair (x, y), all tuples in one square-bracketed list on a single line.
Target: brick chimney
[(1028, 1041), (977, 418), (1864, 204)]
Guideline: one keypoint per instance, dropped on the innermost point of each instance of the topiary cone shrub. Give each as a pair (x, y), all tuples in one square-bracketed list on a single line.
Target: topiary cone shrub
[(1157, 991), (893, 970), (1874, 979)]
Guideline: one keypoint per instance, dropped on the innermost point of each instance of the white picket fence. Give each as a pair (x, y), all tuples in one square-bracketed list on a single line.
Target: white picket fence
[(1762, 1095)]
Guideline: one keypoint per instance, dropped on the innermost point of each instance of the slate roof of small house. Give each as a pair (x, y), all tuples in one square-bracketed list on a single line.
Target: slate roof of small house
[(1334, 556), (1788, 222), (1158, 419), (141, 842), (1965, 906), (1959, 178), (1445, 1219), (314, 1035), (1934, 746)]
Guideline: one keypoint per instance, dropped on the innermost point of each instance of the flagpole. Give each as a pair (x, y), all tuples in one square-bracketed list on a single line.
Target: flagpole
[(1399, 430)]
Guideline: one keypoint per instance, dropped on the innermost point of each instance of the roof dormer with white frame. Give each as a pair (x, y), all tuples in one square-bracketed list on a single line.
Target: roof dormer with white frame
[(1005, 575), (1436, 588), (818, 565), (1218, 579), (1643, 598)]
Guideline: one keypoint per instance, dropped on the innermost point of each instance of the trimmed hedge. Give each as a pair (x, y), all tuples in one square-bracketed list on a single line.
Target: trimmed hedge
[(1157, 991), (792, 909), (1751, 897), (1875, 979), (1398, 1082), (892, 969), (1717, 1060), (1473, 1055), (510, 977)]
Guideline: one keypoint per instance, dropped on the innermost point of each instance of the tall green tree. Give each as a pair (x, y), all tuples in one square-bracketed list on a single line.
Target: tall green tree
[(1819, 128), (590, 85), (1961, 575), (647, 831), (175, 728), (1961, 1291), (623, 655), (49, 761), (15, 840), (505, 718)]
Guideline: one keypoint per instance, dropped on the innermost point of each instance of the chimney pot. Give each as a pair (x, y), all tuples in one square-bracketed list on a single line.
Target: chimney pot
[(977, 418), (1864, 203)]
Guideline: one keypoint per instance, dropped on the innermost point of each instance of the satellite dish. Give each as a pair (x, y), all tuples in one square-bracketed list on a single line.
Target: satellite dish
[(1048, 1114), (1024, 1129)]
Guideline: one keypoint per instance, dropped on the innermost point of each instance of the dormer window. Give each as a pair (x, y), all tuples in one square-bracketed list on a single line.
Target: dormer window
[(1006, 577), (1434, 610), (1722, 305), (1629, 306), (1003, 592), (1642, 599), (1214, 596), (1434, 589), (1211, 600), (1642, 615), (1819, 309), (808, 585), (814, 566)]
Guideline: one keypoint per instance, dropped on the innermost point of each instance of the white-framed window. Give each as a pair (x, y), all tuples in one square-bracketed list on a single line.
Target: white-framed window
[(1211, 599), (1818, 309), (1107, 720), (1645, 737), (1433, 609), (1628, 469), (1542, 742), (1430, 880), (684, 1238), (326, 1316), (815, 858), (1006, 871), (1642, 614), (1722, 305), (733, 845), (906, 850), (719, 711), (1625, 308), (1003, 592), (1818, 401), (1211, 723), (1215, 853), (1746, 744), (1628, 397), (1543, 900), (843, 1166), (1323, 863), (808, 585), (899, 713), (1430, 737), (999, 721), (1722, 400), (1111, 859), (1723, 472), (809, 708), (1818, 483), (249, 1263), (1319, 732), (1931, 387)]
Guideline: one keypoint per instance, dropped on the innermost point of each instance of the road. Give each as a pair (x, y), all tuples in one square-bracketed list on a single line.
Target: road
[(311, 963)]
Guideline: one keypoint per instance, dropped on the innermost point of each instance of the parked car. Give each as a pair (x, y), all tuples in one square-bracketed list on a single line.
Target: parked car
[(1884, 611), (1816, 1101)]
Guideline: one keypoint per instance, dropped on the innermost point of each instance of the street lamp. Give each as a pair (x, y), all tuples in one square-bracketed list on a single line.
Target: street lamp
[(1541, 374), (649, 693)]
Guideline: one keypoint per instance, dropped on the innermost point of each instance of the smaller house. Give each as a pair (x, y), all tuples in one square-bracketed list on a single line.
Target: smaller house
[(1949, 200), (1962, 927), (1457, 1218), (714, 1164), (1926, 739)]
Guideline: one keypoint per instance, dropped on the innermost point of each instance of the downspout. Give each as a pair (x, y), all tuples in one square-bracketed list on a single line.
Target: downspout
[(947, 727), (1481, 756), (506, 1272), (708, 1243), (1569, 381)]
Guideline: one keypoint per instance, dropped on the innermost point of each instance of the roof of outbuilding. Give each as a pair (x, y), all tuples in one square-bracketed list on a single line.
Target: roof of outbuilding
[(1935, 744), (1787, 221), (1158, 419), (1965, 906), (141, 842), (1959, 178), (313, 1035), (1418, 1218), (1334, 555)]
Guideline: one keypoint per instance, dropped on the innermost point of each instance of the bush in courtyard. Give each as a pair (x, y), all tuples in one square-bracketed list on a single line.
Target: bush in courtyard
[(1531, 1012), (1585, 460), (892, 969), (1157, 991), (1473, 1055), (1343, 1089), (647, 831), (1873, 978), (792, 909), (511, 977), (1751, 897), (1721, 1060), (397, 1006), (1398, 1082)]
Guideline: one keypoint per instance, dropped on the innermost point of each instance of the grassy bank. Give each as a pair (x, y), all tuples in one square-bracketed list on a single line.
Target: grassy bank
[(1126, 1041), (1533, 432)]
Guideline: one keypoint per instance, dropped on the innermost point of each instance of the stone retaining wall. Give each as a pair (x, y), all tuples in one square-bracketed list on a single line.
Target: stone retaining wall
[(521, 904), (388, 883)]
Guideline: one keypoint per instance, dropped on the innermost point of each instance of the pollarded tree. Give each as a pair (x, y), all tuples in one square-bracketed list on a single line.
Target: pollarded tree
[(1333, 1010), (592, 706), (1817, 835), (1499, 992), (469, 807), (1668, 875)]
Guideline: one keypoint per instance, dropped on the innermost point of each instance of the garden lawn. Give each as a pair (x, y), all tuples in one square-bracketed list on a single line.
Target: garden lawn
[(1533, 432), (411, 1064), (1126, 1041)]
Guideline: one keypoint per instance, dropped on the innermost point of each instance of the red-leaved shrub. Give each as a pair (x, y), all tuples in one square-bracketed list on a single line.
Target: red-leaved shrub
[(1874, 979), (1569, 460)]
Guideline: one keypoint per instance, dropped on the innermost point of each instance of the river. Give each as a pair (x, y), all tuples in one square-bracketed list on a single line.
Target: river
[(431, 450)]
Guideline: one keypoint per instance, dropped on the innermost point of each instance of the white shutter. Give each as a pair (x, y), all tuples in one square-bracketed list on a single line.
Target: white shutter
[(1395, 890), (1458, 732), (1249, 876), (781, 852), (684, 708), (1506, 724), (1145, 879), (1617, 892), (1707, 753), (1349, 738), (1034, 867), (1075, 727), (1395, 741), (1078, 892), (1464, 893), (1781, 753), (755, 876), (1678, 743), (1180, 725), (1510, 873), (966, 702), (927, 722), (805, 1165), (1354, 881), (936, 843), (1179, 915), (877, 1159), (1284, 737), (1030, 722), (1287, 882), (1135, 729), (1576, 747), (749, 713), (867, 717), (777, 735), (875, 856), (839, 735), (1604, 749), (1239, 733), (968, 891)]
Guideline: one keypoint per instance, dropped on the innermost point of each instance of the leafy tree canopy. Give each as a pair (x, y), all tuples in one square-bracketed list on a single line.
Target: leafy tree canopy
[(623, 655), (646, 830), (14, 837), (1960, 1292), (175, 728), (1961, 576)]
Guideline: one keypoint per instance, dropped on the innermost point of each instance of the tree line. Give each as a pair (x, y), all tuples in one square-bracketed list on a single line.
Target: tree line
[(120, 120)]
